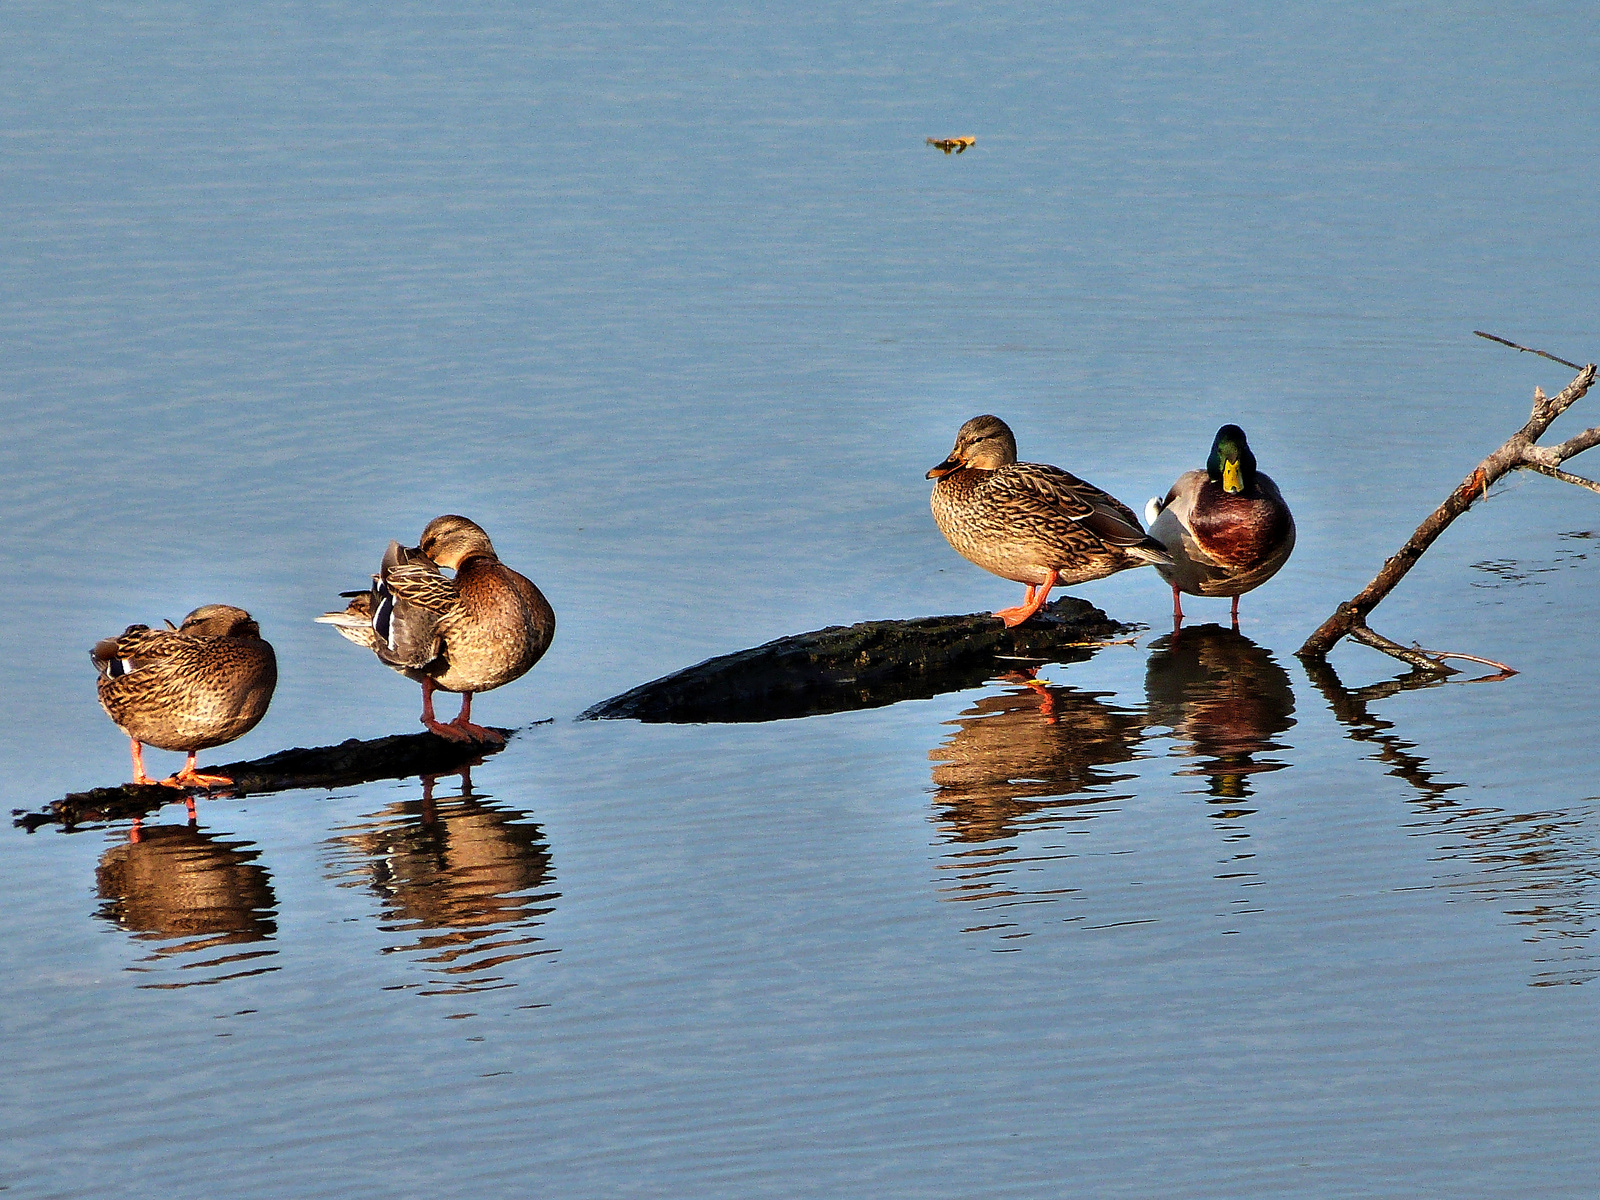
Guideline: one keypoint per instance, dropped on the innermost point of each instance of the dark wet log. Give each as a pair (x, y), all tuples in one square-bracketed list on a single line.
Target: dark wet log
[(862, 666), (1520, 452), (349, 763)]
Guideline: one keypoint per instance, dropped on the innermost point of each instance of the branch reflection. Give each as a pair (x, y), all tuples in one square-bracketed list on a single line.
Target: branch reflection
[(465, 880), (191, 893), (1539, 867)]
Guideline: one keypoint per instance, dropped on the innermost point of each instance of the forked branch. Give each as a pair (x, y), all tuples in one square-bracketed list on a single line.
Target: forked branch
[(1521, 451)]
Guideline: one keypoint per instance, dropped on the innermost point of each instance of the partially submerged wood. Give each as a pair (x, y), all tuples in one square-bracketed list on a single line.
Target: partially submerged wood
[(1520, 452), (862, 666), (349, 763)]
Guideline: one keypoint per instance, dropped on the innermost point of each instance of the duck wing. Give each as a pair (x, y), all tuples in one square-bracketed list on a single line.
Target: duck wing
[(412, 597), (397, 618), (138, 647), (1060, 496)]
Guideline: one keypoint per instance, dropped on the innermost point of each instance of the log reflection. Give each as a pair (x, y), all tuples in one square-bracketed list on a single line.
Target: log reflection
[(190, 893), (465, 882), (1226, 697), (1538, 867), (1026, 759)]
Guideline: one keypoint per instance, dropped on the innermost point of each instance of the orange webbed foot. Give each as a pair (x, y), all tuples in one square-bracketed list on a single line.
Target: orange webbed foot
[(1033, 600), (478, 733), (190, 778), (450, 731)]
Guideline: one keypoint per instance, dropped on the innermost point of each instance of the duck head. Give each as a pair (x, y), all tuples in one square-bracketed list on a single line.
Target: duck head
[(451, 540), (984, 444), (1231, 463), (219, 620)]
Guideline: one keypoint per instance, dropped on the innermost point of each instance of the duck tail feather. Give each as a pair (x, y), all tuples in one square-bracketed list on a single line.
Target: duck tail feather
[(1150, 551)]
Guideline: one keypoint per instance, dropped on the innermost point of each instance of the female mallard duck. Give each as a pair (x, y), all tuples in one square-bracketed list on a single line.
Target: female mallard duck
[(483, 628), (200, 685), (1227, 527), (1030, 523)]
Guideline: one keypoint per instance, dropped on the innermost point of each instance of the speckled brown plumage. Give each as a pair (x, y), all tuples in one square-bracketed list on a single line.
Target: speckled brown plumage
[(1034, 524), (474, 632), (200, 685)]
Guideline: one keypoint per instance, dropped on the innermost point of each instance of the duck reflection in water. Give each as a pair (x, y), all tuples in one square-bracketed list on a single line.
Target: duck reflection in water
[(1225, 696), (468, 877), (1019, 756), (190, 891), (1020, 761)]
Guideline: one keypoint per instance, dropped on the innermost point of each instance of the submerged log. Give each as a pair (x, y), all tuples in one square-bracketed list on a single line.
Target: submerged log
[(345, 765), (862, 666)]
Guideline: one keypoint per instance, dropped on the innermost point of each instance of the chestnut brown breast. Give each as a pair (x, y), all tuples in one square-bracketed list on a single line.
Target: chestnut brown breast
[(1238, 531)]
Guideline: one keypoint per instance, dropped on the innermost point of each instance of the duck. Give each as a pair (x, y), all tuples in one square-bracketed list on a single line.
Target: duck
[(1031, 523), (468, 633), (1227, 527), (203, 683)]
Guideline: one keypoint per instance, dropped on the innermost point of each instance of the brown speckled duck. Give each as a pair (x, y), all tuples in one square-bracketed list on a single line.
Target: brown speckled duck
[(200, 685), (1031, 523), (1227, 527), (471, 633)]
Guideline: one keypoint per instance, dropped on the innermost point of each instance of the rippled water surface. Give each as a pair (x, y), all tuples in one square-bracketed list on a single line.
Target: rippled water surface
[(680, 307)]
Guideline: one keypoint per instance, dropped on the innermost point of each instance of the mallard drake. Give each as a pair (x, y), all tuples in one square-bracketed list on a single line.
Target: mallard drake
[(1034, 524), (468, 634), (200, 685), (1227, 527)]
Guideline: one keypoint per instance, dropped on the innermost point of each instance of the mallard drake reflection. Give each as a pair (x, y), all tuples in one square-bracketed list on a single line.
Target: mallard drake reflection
[(472, 633), (1031, 523), (1227, 527), (200, 685), (1226, 696)]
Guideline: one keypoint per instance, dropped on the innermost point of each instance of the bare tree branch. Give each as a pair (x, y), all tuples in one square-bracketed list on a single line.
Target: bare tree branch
[(1520, 451), (1573, 445), (1410, 654), (1514, 346), (1564, 476)]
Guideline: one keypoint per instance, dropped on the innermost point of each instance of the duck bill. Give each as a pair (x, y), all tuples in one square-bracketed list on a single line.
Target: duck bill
[(950, 464), (1232, 477)]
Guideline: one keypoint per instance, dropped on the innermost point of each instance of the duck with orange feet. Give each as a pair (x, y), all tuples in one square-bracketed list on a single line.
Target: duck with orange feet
[(202, 684), (471, 632), (1034, 524)]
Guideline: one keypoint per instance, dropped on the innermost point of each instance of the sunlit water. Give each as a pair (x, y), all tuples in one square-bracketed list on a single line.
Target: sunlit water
[(680, 308)]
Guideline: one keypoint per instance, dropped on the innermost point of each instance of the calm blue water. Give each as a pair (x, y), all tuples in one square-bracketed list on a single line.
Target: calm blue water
[(680, 307)]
